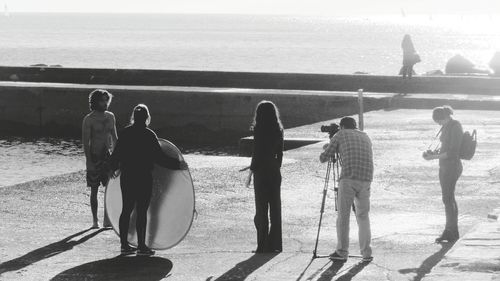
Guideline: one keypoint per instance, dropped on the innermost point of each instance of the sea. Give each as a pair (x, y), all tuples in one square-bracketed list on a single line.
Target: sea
[(222, 42), (263, 43)]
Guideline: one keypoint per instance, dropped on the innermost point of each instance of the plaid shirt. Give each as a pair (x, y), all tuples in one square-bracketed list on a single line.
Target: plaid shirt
[(355, 150)]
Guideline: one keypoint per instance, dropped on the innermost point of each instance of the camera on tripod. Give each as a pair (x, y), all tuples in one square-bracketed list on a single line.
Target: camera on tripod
[(331, 129)]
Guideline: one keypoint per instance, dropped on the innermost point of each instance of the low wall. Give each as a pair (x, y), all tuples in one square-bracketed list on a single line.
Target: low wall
[(252, 80), (187, 116)]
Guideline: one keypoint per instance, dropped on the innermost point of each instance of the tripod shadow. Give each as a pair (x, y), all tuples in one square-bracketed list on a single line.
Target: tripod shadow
[(243, 269), (428, 263), (332, 271), (353, 271), (47, 251), (318, 271), (119, 268)]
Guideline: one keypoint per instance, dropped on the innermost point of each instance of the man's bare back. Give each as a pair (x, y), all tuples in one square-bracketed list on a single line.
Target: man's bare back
[(99, 135)]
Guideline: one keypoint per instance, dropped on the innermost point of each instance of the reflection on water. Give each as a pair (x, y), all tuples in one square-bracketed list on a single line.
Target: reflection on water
[(23, 159), (27, 159)]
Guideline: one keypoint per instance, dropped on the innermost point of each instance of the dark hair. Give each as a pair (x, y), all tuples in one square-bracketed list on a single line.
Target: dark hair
[(348, 123), (140, 115), (95, 97), (267, 118), (407, 43), (442, 112)]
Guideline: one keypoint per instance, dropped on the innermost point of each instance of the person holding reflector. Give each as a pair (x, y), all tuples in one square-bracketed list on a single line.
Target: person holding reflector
[(136, 152)]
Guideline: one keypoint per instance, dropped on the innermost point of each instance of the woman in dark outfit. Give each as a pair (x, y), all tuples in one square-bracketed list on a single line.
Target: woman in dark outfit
[(266, 164), (410, 57), (450, 168), (136, 152)]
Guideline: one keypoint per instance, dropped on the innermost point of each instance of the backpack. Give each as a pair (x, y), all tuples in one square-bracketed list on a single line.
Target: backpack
[(468, 147)]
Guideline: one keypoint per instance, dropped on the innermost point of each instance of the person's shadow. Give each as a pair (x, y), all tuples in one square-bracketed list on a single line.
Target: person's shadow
[(243, 269), (353, 271), (428, 263), (131, 268), (46, 251)]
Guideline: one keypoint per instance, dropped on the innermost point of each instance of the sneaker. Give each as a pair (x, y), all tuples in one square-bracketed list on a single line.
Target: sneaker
[(367, 259), (107, 226), (128, 250), (336, 257), (448, 237), (145, 252)]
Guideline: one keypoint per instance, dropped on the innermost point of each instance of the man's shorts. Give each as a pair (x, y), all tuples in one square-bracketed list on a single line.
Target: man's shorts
[(100, 175)]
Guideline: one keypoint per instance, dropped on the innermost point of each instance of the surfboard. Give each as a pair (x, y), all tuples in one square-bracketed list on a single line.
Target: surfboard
[(172, 207)]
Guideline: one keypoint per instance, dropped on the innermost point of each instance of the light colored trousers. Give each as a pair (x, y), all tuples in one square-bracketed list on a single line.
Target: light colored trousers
[(358, 192)]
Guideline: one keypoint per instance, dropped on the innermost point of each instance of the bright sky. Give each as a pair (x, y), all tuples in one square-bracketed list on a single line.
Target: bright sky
[(326, 7)]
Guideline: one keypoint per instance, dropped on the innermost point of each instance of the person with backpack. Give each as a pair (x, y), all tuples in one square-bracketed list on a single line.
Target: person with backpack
[(450, 167)]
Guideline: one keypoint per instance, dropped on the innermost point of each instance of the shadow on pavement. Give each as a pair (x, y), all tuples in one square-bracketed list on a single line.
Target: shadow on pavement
[(243, 269), (46, 251), (428, 263), (332, 271), (318, 271), (119, 268), (353, 271)]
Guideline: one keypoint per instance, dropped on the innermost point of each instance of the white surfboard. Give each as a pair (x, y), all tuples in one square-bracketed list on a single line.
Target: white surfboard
[(172, 206)]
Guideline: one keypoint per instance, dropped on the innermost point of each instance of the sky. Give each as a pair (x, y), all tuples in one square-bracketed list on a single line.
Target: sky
[(323, 7)]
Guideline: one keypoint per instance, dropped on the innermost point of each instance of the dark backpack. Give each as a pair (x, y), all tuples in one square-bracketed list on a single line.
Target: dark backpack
[(468, 147)]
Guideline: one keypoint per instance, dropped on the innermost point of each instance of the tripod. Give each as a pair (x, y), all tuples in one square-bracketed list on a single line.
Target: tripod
[(333, 164)]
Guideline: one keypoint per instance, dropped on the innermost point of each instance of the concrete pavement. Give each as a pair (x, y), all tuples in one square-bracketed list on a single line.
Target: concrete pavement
[(474, 257), (45, 236)]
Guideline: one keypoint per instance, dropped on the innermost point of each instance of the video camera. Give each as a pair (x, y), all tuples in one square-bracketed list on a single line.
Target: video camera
[(331, 129)]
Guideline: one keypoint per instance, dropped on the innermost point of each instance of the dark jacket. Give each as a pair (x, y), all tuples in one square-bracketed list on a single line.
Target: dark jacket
[(451, 141), (267, 150), (138, 149)]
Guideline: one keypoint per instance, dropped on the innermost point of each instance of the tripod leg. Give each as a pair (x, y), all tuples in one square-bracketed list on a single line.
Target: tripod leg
[(325, 190), (319, 225)]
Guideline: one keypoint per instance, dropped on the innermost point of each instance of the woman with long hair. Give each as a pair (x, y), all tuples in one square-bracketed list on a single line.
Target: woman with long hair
[(410, 57), (450, 167), (136, 152), (266, 164)]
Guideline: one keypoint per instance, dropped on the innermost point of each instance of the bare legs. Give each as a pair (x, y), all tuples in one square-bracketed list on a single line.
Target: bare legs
[(93, 205), (94, 191)]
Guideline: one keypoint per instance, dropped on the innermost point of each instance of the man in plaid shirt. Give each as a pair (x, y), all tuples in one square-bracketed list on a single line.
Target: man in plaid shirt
[(356, 158)]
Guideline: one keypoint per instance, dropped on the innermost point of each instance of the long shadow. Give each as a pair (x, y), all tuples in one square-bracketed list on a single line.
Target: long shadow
[(243, 269), (332, 271), (353, 271), (131, 268), (46, 251), (428, 263), (312, 276)]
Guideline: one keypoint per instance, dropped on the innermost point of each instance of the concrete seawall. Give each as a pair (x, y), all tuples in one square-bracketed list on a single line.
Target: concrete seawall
[(187, 115), (483, 85)]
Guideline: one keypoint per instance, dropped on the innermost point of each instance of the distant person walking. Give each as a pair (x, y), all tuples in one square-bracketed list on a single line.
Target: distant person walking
[(266, 164), (450, 167), (98, 137), (356, 157), (410, 57), (136, 152)]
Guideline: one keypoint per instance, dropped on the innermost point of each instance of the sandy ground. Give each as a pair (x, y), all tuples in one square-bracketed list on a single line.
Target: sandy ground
[(45, 237)]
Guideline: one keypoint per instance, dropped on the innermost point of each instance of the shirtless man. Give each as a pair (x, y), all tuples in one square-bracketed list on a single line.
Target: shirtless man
[(99, 137)]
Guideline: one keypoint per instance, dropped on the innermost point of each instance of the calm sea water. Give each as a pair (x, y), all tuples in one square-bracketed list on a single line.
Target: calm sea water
[(220, 42), (27, 159), (242, 42)]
